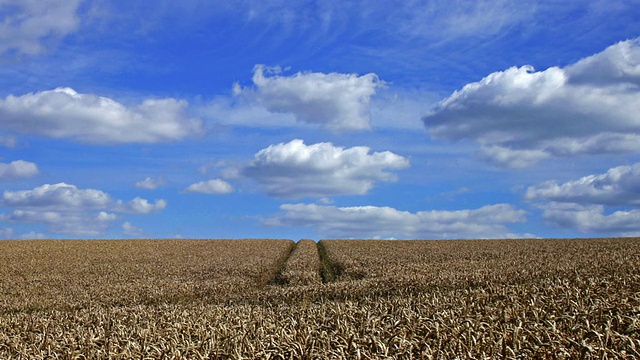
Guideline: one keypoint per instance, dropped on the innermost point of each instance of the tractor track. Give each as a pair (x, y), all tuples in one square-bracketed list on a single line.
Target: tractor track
[(305, 263)]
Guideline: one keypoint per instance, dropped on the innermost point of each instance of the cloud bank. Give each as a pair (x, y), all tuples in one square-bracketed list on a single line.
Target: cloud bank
[(618, 186), (89, 118), (582, 204), (339, 102), (592, 218), (66, 209), (382, 222), (521, 116), (295, 170)]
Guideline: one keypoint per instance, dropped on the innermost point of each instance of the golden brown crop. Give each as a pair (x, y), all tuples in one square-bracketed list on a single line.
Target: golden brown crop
[(513, 299), (302, 267), (79, 273)]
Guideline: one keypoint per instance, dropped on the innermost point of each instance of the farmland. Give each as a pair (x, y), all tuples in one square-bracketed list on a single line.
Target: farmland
[(337, 299)]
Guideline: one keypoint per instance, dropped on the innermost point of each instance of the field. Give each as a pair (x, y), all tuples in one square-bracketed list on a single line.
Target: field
[(361, 299)]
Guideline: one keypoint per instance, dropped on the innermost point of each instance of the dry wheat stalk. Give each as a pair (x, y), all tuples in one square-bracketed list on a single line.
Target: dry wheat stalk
[(516, 299)]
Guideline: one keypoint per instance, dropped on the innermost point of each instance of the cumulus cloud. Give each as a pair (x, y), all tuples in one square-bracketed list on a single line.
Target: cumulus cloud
[(294, 170), (65, 113), (56, 196), (66, 209), (582, 204), (66, 222), (142, 206), (150, 183), (383, 222), (17, 169), (520, 116), (105, 216), (339, 102), (215, 186), (131, 230), (26, 25), (618, 186)]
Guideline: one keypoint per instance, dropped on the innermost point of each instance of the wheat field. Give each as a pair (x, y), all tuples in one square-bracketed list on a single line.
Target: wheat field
[(337, 299)]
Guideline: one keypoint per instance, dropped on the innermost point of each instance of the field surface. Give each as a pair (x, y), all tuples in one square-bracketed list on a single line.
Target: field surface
[(360, 299)]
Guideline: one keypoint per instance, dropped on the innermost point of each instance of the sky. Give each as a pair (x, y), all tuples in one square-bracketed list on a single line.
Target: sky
[(319, 119)]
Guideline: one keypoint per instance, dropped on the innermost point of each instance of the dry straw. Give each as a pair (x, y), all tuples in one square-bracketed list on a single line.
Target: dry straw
[(512, 299)]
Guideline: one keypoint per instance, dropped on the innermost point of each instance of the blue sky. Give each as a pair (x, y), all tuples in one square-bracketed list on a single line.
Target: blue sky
[(332, 119)]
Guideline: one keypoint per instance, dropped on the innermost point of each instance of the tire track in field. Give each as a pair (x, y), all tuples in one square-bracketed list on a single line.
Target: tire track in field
[(271, 276), (307, 264), (329, 270)]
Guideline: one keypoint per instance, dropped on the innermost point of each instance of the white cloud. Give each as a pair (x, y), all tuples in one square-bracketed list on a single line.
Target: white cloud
[(66, 209), (64, 113), (68, 222), (32, 217), (618, 186), (215, 186), (582, 204), (383, 222), (131, 230), (150, 183), (520, 116), (591, 218), (17, 169), (339, 102), (105, 216), (295, 170), (27, 24), (56, 196), (142, 206)]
